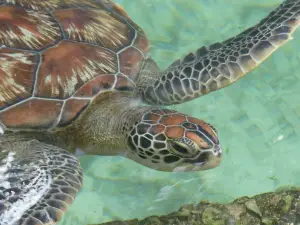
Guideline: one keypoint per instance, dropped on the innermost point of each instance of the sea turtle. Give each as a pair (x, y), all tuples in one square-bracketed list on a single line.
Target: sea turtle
[(76, 75)]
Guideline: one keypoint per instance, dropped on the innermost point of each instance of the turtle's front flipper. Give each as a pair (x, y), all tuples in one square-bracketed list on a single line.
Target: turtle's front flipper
[(37, 181), (214, 67)]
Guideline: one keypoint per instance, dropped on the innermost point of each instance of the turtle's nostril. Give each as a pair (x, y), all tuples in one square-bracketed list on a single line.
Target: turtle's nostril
[(217, 151)]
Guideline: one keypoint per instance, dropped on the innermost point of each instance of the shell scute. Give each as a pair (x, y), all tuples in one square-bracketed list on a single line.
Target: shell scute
[(32, 114), (67, 66), (17, 75), (130, 62), (71, 110), (141, 42), (26, 29), (95, 27)]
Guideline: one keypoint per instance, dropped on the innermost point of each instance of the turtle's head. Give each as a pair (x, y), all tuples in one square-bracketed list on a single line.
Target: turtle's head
[(169, 141)]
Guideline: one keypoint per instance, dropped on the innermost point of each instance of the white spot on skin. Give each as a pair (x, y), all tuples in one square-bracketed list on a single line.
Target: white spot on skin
[(4, 168), (5, 184), (7, 165)]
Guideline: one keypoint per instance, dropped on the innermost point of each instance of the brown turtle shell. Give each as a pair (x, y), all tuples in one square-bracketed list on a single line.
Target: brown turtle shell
[(57, 55)]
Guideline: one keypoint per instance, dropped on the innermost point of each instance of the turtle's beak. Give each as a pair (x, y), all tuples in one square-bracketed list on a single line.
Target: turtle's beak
[(213, 159), (205, 160)]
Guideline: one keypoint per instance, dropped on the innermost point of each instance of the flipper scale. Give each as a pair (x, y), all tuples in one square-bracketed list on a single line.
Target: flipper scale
[(38, 181), (220, 64)]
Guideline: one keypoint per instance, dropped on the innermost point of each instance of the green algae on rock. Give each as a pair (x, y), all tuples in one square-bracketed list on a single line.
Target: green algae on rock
[(274, 208)]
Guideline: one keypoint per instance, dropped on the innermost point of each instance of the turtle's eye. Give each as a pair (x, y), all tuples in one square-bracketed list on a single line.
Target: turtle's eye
[(182, 150)]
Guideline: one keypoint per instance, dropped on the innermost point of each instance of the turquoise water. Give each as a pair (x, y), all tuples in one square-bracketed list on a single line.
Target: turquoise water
[(258, 119)]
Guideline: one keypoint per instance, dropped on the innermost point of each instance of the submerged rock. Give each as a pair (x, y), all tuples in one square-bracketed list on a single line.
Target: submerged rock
[(274, 208)]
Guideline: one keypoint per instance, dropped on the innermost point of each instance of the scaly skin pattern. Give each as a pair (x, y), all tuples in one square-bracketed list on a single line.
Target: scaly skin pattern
[(220, 64), (170, 141), (38, 181)]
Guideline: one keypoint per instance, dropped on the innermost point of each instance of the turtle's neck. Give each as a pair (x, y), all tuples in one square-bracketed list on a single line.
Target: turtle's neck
[(103, 127)]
